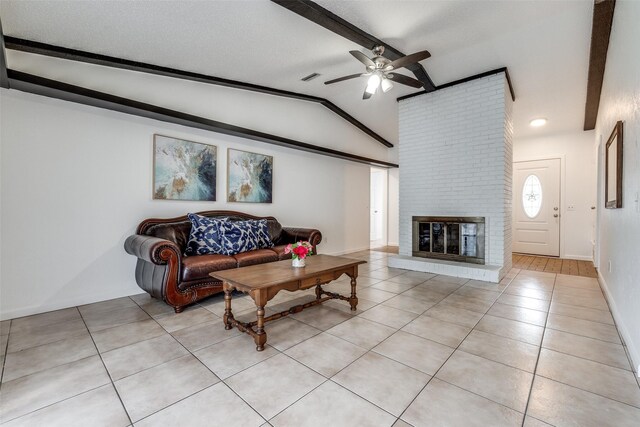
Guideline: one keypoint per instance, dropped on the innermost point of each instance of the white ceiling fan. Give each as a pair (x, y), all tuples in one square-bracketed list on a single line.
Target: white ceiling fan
[(379, 71)]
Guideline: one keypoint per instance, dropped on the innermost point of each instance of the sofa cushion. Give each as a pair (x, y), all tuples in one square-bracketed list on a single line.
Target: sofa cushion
[(261, 231), (255, 257), (275, 229), (237, 236), (205, 236), (279, 250), (199, 267), (176, 232)]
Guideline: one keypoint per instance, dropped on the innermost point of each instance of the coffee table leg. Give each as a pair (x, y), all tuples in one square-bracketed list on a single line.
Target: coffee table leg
[(227, 309), (353, 301), (318, 292), (261, 336)]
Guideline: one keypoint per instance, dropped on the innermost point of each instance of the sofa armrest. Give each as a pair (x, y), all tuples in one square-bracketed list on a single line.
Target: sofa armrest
[(292, 235), (152, 249)]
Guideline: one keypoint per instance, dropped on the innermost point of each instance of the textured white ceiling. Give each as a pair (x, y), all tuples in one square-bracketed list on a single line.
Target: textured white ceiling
[(544, 44)]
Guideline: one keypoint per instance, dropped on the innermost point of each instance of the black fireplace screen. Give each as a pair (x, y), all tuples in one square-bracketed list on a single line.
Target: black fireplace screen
[(453, 238)]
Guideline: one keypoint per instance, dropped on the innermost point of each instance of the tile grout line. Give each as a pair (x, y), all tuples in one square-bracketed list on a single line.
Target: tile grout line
[(636, 374), (55, 403), (594, 361), (583, 358), (308, 367), (46, 343), (457, 349), (104, 366), (68, 363), (189, 353), (6, 352), (345, 367), (330, 380), (443, 363), (580, 318), (584, 336), (589, 391), (535, 369), (451, 355), (397, 329), (186, 397)]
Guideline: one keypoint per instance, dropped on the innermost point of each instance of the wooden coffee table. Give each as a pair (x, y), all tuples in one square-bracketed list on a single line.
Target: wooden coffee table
[(263, 281)]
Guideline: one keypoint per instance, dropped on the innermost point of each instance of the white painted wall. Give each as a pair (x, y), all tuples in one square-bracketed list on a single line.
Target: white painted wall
[(76, 180), (455, 160), (619, 229), (394, 207), (577, 186)]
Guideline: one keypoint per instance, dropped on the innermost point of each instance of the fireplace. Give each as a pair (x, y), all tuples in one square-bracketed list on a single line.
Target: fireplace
[(449, 238)]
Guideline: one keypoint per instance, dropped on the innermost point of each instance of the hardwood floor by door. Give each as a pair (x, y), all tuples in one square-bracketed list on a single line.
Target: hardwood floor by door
[(570, 267), (387, 249)]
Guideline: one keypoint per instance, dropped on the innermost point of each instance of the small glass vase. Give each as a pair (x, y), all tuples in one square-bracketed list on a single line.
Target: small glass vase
[(297, 262)]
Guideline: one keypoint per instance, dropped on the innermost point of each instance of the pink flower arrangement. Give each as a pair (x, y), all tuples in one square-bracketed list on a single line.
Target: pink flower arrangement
[(299, 250)]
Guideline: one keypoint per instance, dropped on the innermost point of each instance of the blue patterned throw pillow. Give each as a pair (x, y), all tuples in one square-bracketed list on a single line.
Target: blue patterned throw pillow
[(261, 230), (238, 236), (205, 236)]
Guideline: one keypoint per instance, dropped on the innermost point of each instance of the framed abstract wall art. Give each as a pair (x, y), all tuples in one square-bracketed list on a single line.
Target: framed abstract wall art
[(183, 170), (249, 177)]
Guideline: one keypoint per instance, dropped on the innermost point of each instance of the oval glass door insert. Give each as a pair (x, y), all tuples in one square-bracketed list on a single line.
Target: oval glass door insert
[(532, 196)]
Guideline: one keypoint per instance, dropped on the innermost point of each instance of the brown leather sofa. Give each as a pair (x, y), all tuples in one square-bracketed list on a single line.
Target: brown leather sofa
[(167, 274)]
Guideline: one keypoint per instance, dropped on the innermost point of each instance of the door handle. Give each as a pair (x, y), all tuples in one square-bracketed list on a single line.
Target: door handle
[(555, 208), (555, 215)]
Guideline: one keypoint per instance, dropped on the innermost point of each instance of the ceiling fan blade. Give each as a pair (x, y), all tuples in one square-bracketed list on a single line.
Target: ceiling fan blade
[(341, 79), (408, 60), (366, 95), (363, 58), (405, 80)]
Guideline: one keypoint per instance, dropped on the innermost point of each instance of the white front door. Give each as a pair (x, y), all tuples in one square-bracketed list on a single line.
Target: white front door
[(536, 207)]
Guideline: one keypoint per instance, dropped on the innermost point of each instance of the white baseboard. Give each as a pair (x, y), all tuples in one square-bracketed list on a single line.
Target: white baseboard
[(632, 348), (578, 257), (59, 305), (348, 251)]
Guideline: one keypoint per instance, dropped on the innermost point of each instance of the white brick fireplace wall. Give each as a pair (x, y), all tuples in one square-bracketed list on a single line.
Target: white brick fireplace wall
[(456, 160)]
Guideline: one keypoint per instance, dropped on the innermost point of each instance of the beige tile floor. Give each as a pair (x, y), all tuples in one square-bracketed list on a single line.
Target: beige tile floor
[(421, 350)]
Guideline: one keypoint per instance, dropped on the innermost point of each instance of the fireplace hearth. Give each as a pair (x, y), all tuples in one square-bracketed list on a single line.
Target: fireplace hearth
[(449, 238)]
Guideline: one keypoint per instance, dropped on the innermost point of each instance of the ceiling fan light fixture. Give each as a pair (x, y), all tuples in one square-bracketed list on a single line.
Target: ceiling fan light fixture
[(379, 71), (373, 83), (386, 85)]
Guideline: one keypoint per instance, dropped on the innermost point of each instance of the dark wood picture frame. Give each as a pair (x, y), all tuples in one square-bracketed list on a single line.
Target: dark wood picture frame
[(231, 192), (213, 169), (613, 169)]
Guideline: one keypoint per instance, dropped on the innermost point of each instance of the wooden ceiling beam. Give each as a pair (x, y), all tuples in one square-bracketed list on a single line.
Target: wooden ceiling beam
[(600, 32), (38, 48), (332, 22), (4, 79), (55, 89)]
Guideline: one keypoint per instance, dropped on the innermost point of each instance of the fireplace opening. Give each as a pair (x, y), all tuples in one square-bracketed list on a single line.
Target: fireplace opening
[(452, 238)]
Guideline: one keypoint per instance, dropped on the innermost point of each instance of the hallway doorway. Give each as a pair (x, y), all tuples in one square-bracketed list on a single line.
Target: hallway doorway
[(378, 208)]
